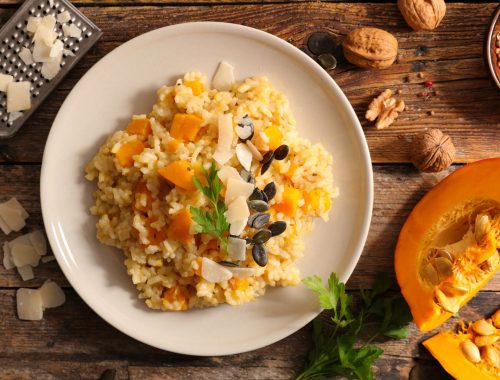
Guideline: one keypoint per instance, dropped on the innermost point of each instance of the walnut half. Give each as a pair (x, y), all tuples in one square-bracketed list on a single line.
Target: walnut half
[(385, 109)]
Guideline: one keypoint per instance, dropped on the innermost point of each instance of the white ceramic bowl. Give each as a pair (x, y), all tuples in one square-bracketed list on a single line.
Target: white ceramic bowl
[(125, 83)]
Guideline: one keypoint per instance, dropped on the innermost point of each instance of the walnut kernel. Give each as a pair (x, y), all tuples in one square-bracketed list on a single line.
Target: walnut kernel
[(385, 109)]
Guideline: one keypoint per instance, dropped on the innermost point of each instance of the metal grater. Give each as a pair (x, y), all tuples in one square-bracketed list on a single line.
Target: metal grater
[(13, 37)]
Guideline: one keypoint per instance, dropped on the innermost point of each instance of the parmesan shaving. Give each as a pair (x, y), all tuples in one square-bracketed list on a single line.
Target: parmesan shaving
[(48, 259), (26, 272), (7, 259), (12, 218), (71, 31), (63, 17), (244, 156), (23, 254), (236, 188), (223, 152), (223, 79), (29, 304), (14, 204), (213, 272), (51, 69), (52, 295), (237, 227), (236, 248), (237, 210), (4, 81), (242, 272), (25, 55), (18, 96), (33, 24), (37, 240), (227, 172)]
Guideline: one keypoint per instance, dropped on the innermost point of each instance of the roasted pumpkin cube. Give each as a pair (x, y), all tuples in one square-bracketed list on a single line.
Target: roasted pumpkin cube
[(140, 127), (185, 126), (289, 202), (195, 86), (127, 151), (274, 135), (180, 173), (180, 227)]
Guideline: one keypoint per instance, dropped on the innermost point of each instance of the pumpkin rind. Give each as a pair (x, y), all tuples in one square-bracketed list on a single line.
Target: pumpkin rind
[(445, 347), (472, 182)]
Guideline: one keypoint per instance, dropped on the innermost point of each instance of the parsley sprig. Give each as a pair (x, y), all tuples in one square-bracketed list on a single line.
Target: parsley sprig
[(337, 349), (211, 221)]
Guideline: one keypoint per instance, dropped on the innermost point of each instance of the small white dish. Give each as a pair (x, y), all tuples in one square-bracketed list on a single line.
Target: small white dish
[(125, 83)]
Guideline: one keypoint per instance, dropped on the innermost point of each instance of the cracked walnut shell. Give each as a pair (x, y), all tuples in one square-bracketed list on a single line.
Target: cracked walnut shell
[(432, 151), (422, 14), (370, 48)]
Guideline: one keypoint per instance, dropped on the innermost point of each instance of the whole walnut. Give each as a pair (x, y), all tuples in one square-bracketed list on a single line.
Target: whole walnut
[(422, 14), (432, 151), (370, 48)]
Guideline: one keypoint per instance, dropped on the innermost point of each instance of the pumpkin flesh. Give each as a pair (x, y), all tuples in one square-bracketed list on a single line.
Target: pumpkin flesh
[(448, 248)]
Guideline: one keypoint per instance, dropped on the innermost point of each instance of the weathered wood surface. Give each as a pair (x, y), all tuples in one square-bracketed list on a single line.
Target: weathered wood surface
[(466, 105), (72, 337), (393, 202)]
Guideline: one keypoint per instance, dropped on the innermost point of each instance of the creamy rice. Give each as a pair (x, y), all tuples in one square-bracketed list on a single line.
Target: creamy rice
[(167, 274)]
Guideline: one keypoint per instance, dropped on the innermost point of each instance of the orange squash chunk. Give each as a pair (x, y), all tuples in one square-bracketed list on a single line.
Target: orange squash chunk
[(180, 227), (176, 295), (195, 86), (447, 249), (274, 135), (140, 127), (468, 355), (180, 173), (185, 126), (289, 202), (127, 151), (240, 284), (172, 146)]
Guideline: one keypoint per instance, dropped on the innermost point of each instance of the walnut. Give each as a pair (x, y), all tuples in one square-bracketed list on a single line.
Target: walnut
[(370, 48), (422, 14), (432, 151), (385, 109)]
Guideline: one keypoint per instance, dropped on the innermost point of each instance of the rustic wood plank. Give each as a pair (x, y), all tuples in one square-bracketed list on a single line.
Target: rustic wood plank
[(393, 202), (26, 368), (73, 332), (465, 107)]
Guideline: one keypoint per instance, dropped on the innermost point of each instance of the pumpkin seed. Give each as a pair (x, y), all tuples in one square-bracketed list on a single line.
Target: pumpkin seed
[(442, 253), (247, 176), (482, 327), (229, 264), (257, 205), (258, 220), (444, 267), (446, 303), (267, 157), (453, 290), (481, 227), (491, 355), (327, 61), (259, 254), (264, 197), (261, 237), (281, 152), (429, 274), (256, 195), (495, 318), (470, 351), (277, 228), (321, 42), (265, 167), (488, 340), (270, 190)]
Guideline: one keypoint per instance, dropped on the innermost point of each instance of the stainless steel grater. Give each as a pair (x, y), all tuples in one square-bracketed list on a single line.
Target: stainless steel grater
[(13, 37)]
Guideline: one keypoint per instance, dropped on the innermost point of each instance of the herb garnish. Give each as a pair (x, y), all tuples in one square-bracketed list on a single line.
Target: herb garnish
[(211, 222), (337, 349)]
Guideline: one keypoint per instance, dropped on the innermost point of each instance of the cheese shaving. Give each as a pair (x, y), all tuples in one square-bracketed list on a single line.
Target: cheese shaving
[(29, 304), (4, 81)]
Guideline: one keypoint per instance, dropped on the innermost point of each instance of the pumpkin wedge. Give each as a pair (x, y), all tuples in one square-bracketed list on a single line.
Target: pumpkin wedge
[(448, 248), (471, 354)]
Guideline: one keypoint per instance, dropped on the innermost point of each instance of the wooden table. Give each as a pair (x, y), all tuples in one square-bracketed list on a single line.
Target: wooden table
[(72, 342)]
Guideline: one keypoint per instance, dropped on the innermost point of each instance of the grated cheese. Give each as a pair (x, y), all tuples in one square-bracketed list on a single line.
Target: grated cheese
[(18, 96)]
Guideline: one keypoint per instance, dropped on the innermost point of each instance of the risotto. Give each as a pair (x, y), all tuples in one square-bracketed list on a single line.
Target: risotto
[(210, 195)]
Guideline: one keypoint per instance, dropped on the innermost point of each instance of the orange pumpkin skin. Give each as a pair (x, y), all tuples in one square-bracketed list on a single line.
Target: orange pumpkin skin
[(445, 347), (475, 181)]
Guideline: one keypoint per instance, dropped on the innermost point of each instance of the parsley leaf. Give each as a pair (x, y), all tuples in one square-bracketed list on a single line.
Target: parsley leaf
[(337, 348), (212, 222)]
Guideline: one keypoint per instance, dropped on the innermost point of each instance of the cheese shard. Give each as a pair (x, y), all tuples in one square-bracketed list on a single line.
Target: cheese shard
[(52, 295), (26, 272), (227, 172), (37, 240), (71, 31), (14, 204), (48, 259), (18, 96), (63, 17), (213, 272), (236, 188), (225, 139), (236, 248), (23, 254), (4, 81), (33, 23), (7, 258), (51, 69), (56, 49), (237, 227), (237, 210), (25, 55), (244, 155), (29, 304), (223, 79), (49, 22), (45, 35), (4, 226), (242, 272), (12, 216)]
